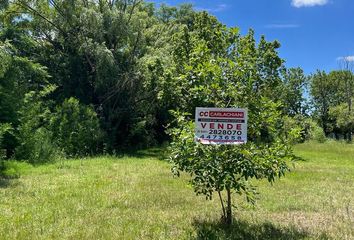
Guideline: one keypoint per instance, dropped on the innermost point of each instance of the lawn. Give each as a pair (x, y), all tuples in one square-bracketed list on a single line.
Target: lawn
[(136, 197)]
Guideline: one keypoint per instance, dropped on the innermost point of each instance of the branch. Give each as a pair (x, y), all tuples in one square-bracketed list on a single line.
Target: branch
[(135, 3), (56, 6), (222, 205), (135, 46), (35, 12)]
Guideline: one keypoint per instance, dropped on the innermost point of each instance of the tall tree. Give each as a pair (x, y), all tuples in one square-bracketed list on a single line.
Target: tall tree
[(347, 80), (341, 108), (293, 91), (324, 95), (18, 75), (94, 51)]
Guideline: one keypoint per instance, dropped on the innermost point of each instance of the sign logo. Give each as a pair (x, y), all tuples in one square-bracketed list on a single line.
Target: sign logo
[(221, 125)]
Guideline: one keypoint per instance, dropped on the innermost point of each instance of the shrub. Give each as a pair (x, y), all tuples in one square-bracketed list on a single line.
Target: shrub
[(36, 146), (4, 128), (76, 128), (43, 134), (317, 134), (34, 136), (141, 135), (293, 124), (309, 129)]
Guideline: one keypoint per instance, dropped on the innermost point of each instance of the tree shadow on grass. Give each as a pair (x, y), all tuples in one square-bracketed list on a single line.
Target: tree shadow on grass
[(8, 181), (4, 182), (159, 153), (245, 230)]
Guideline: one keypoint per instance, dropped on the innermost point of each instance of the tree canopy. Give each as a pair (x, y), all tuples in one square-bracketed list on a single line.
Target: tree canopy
[(119, 68)]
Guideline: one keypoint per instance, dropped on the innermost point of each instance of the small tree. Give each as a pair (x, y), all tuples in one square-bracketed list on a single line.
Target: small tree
[(76, 128), (234, 73), (215, 168)]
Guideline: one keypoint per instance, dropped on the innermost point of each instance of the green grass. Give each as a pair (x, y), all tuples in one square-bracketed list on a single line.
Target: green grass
[(135, 197)]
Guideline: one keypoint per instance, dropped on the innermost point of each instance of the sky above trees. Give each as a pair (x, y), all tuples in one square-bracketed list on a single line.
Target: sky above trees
[(314, 34)]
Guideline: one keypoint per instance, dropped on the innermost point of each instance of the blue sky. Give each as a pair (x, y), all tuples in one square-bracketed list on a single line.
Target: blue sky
[(313, 34)]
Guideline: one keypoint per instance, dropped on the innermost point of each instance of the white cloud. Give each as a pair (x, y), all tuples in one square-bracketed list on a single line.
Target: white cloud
[(308, 3), (218, 8), (281, 26), (347, 59)]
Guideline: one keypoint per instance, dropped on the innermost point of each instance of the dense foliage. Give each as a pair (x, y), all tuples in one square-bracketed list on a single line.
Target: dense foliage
[(332, 97), (86, 77)]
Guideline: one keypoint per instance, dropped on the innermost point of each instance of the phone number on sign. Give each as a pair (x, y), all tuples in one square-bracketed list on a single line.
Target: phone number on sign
[(218, 137), (225, 132)]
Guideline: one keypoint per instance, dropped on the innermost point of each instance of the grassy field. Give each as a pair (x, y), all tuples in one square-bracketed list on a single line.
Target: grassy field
[(135, 197)]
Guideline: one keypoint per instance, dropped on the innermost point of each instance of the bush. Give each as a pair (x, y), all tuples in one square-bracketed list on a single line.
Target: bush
[(4, 128), (317, 134), (141, 135), (76, 128), (34, 135), (36, 146), (292, 124), (44, 134), (309, 129)]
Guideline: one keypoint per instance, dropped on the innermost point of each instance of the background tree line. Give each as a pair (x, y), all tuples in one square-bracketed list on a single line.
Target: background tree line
[(88, 77)]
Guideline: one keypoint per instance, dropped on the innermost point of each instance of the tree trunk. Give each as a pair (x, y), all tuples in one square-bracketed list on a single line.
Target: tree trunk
[(228, 219), (350, 135)]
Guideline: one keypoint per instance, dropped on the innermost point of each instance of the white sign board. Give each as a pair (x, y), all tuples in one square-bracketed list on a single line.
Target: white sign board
[(221, 125)]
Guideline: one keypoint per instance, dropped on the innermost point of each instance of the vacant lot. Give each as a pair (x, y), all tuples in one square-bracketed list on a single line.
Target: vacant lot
[(135, 197)]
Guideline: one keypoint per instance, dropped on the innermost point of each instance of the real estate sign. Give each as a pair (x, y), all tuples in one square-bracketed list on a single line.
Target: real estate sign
[(221, 125)]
